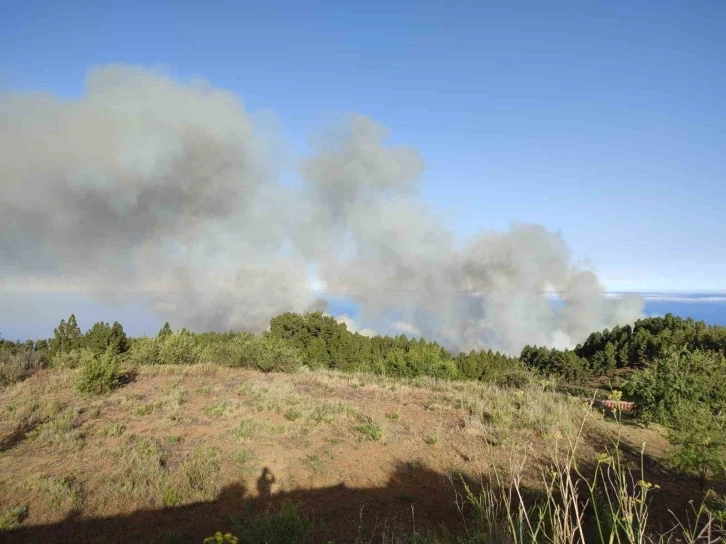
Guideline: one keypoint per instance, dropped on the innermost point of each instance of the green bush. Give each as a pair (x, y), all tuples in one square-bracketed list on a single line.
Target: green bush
[(144, 351), (420, 360), (11, 518), (228, 351), (266, 353), (98, 375), (179, 348), (677, 379), (219, 538), (71, 359), (698, 442)]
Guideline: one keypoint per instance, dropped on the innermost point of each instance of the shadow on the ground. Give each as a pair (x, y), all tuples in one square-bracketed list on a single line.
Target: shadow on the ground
[(13, 439), (414, 497)]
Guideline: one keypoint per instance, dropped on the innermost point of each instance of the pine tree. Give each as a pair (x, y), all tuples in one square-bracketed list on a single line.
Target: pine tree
[(165, 331), (66, 337)]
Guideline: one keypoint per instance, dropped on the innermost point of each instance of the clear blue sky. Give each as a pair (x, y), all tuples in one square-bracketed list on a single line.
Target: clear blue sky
[(605, 121)]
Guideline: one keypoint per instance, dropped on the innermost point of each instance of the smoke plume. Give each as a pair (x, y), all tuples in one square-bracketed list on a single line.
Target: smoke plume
[(148, 185)]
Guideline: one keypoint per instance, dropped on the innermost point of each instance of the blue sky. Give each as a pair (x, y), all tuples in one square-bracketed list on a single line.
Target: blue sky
[(605, 122)]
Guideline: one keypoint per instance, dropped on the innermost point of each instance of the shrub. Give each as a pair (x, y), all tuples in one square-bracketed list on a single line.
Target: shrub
[(18, 366), (698, 441), (266, 353), (219, 538), (369, 430), (98, 375), (678, 379), (517, 378), (12, 517), (144, 351), (228, 351), (179, 348), (71, 359), (420, 360)]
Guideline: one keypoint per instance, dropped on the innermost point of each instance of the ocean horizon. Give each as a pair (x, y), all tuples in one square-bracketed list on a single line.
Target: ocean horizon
[(37, 314), (708, 307)]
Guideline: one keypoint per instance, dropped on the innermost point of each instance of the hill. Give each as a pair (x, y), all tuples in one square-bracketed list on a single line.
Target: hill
[(310, 433)]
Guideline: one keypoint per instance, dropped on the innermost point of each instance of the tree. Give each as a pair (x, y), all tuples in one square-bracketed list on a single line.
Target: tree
[(66, 337), (677, 380), (698, 441), (165, 331), (611, 361), (102, 337)]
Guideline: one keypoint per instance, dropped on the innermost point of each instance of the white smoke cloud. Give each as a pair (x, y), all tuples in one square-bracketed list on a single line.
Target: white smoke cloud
[(406, 328), (153, 185)]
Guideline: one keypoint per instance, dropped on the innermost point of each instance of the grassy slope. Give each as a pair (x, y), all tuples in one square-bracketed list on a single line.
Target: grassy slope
[(173, 453)]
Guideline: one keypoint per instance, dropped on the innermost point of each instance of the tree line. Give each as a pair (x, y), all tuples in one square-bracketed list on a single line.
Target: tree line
[(627, 347)]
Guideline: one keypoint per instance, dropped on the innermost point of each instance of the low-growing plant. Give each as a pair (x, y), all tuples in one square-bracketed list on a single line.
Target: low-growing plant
[(60, 430), (246, 429), (608, 504), (219, 408), (369, 430), (98, 375), (11, 518), (71, 359), (61, 494), (220, 538), (292, 414), (112, 429), (242, 456), (314, 463), (286, 526)]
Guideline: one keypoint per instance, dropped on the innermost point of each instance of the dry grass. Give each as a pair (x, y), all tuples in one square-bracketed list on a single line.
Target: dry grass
[(179, 435)]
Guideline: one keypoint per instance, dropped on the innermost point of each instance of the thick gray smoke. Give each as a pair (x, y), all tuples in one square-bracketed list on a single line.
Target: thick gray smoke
[(147, 185)]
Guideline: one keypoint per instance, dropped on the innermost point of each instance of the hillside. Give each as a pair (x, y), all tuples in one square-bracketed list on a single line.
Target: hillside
[(312, 433), (176, 451)]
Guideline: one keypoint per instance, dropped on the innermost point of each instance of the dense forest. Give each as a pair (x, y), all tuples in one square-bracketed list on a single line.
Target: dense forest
[(628, 347)]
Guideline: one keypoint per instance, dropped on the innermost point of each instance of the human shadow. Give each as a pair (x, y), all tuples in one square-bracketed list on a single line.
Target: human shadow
[(11, 440), (414, 498)]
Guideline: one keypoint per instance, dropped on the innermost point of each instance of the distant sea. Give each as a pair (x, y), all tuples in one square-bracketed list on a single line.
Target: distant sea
[(710, 308), (34, 315)]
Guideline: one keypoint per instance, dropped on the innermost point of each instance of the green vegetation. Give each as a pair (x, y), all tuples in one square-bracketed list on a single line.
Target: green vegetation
[(325, 343), (286, 526), (98, 374), (672, 369), (603, 353), (11, 518), (220, 538), (370, 430)]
